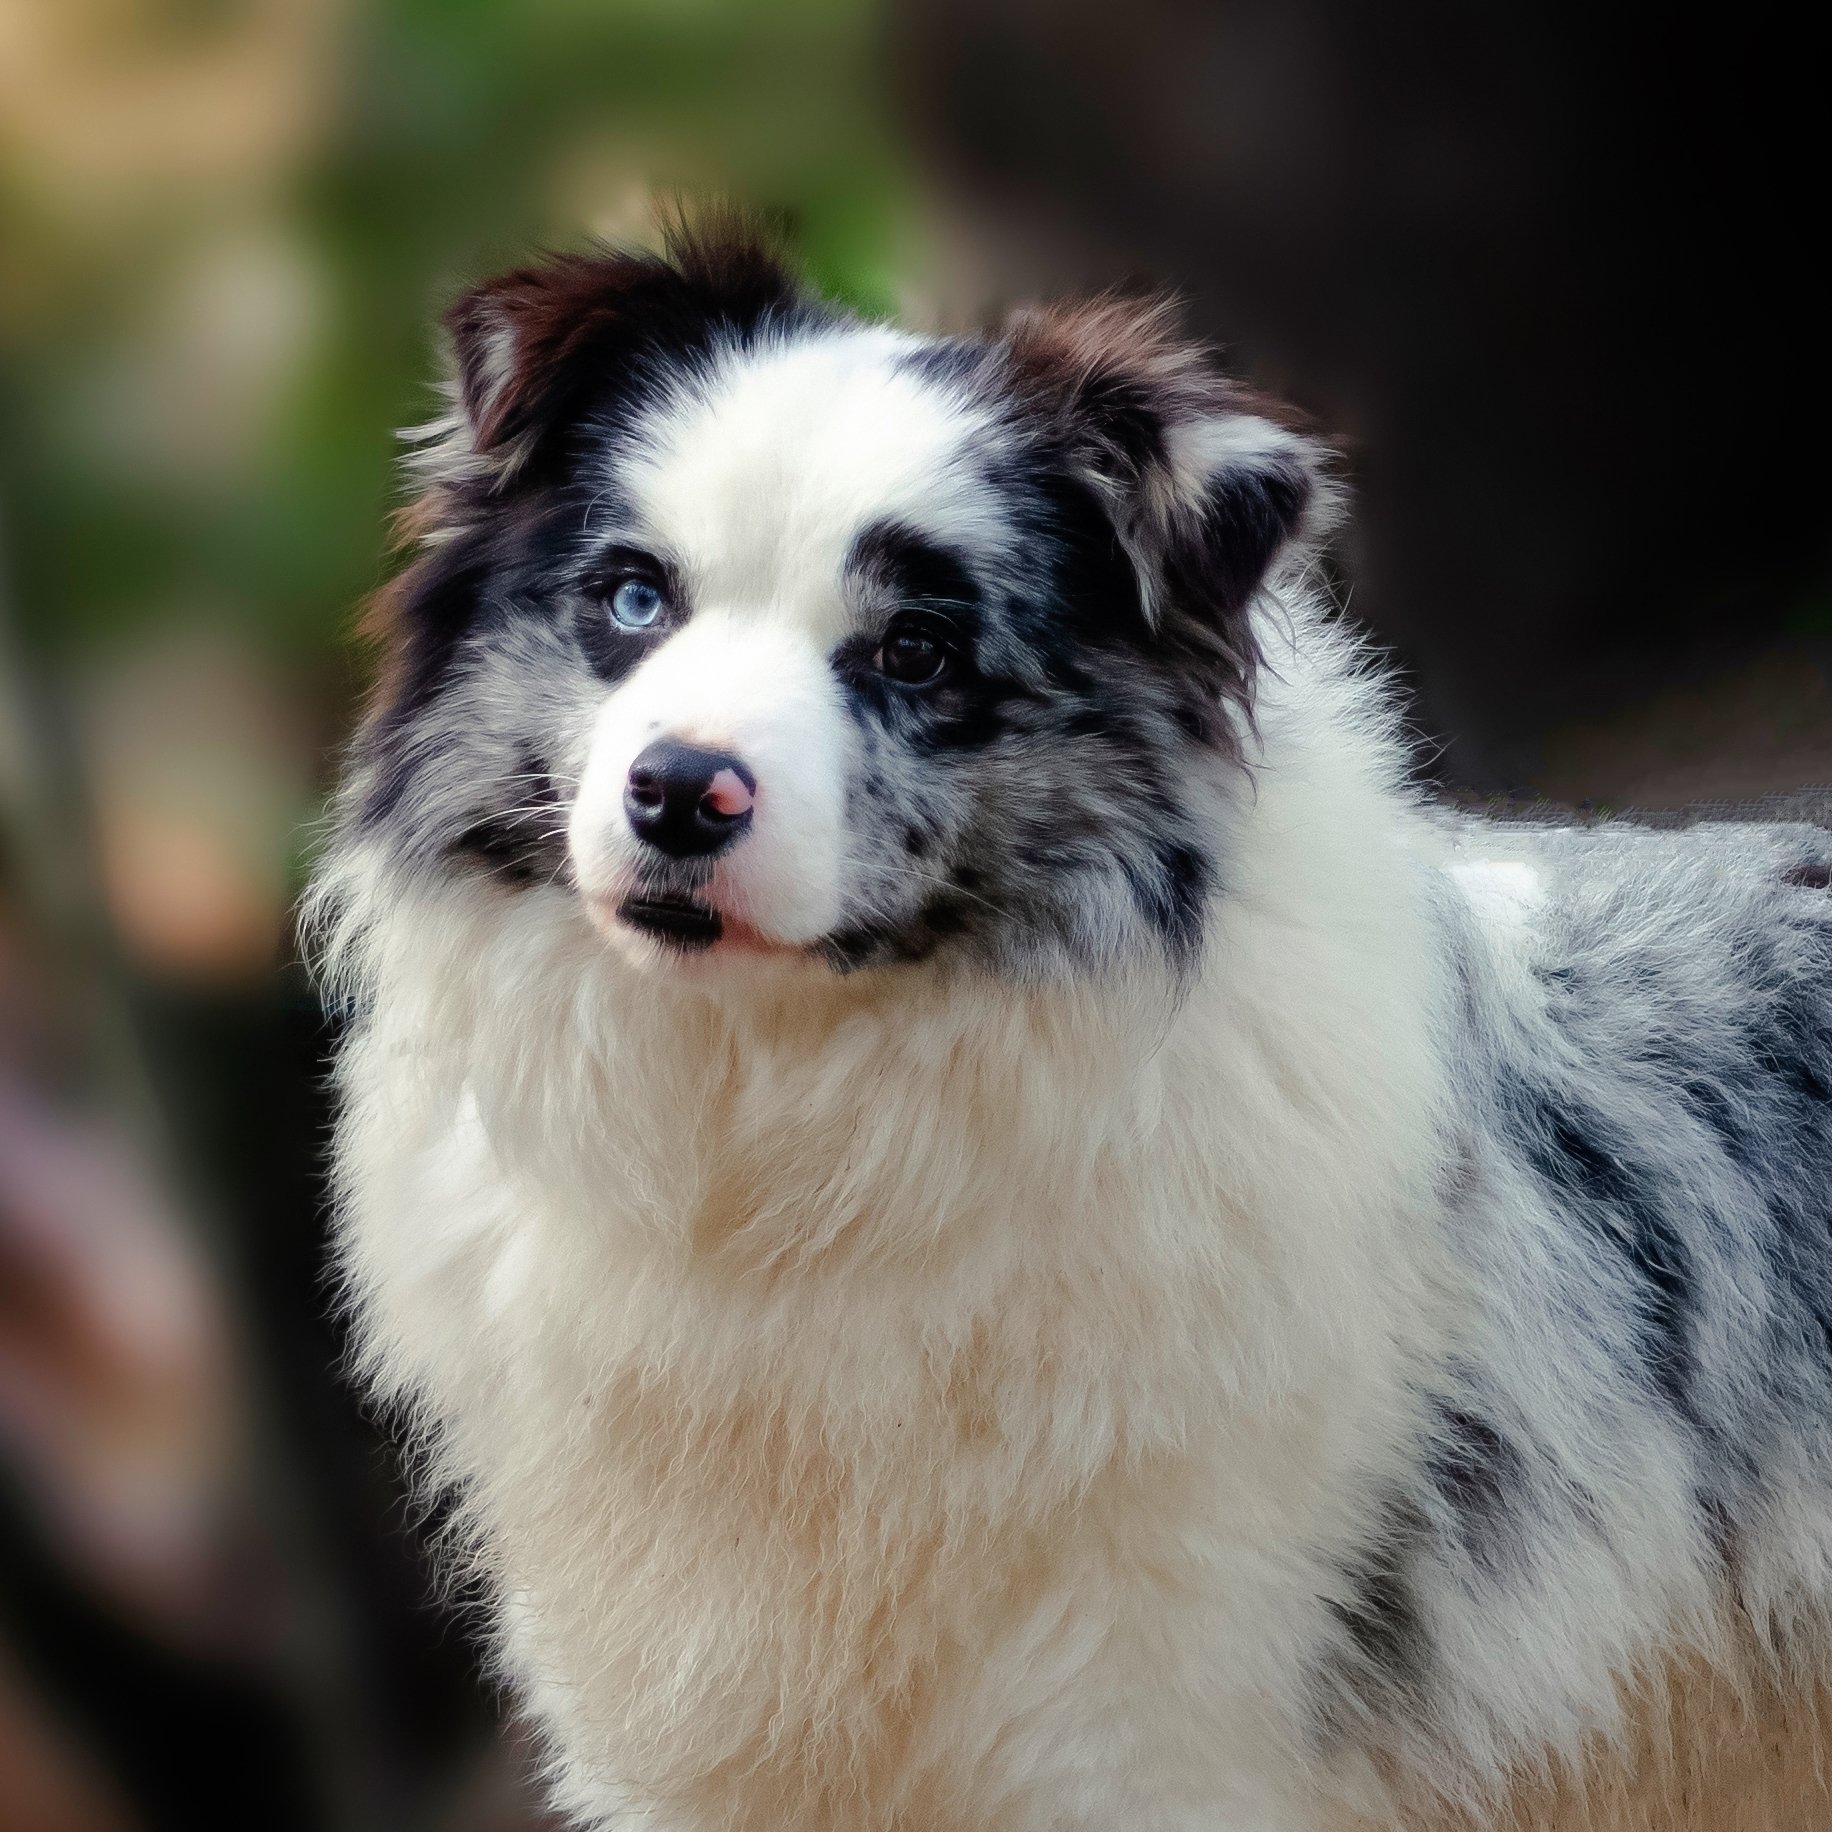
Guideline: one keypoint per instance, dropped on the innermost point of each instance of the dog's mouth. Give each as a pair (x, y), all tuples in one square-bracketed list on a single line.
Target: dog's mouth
[(678, 922), (686, 925)]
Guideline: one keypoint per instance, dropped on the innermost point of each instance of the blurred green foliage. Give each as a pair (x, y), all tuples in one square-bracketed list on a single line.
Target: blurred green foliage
[(203, 366)]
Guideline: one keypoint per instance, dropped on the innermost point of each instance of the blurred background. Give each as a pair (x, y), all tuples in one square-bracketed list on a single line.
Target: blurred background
[(1549, 277)]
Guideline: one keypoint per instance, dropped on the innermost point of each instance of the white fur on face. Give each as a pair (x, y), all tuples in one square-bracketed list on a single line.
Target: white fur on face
[(760, 689), (756, 482), (760, 479)]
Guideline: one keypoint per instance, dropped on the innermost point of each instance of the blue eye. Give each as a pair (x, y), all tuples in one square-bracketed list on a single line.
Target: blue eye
[(636, 604)]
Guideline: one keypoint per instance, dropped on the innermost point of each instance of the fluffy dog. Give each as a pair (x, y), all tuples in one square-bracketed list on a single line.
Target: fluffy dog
[(995, 1225)]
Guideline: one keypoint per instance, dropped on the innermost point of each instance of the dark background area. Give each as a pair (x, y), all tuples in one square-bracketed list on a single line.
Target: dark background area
[(1550, 278)]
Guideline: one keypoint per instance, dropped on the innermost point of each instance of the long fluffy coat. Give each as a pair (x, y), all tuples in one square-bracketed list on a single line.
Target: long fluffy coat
[(1302, 1319)]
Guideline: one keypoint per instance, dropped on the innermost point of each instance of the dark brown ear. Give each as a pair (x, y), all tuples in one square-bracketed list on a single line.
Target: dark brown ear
[(534, 346), (1207, 484)]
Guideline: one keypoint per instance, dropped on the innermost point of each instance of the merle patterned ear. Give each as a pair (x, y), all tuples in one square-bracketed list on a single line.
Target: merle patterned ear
[(1206, 483), (532, 347)]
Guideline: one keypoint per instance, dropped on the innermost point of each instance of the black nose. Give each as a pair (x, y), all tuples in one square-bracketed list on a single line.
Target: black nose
[(685, 801)]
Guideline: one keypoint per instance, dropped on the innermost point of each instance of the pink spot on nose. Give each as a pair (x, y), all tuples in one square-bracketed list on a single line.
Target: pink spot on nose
[(726, 794)]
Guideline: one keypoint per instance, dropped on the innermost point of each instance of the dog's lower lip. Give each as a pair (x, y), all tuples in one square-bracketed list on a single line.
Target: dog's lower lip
[(679, 921)]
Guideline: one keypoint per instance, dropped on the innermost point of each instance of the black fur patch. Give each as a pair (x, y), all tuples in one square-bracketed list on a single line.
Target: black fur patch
[(909, 568), (1246, 516), (438, 613), (615, 652), (1611, 1188), (1479, 1473), (435, 607), (540, 349), (1388, 1654), (1768, 1100)]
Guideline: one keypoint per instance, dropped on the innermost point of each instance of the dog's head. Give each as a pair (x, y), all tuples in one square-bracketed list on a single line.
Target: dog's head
[(760, 629)]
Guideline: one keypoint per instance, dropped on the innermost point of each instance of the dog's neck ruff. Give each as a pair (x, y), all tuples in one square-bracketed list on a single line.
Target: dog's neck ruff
[(906, 1283), (633, 1092)]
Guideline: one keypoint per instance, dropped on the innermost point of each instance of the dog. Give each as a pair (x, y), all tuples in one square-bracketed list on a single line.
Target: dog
[(994, 1221)]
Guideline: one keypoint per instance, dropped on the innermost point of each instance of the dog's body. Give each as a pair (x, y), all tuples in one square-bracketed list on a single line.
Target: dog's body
[(1050, 1248)]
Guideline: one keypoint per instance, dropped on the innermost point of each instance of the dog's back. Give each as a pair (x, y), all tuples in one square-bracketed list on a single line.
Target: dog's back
[(1640, 1450)]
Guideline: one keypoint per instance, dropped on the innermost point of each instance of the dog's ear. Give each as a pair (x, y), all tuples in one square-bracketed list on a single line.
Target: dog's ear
[(1206, 483), (532, 348)]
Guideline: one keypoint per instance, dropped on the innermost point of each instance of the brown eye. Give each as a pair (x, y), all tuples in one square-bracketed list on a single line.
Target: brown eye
[(917, 649)]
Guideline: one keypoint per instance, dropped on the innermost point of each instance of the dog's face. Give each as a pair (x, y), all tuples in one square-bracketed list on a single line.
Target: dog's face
[(761, 631)]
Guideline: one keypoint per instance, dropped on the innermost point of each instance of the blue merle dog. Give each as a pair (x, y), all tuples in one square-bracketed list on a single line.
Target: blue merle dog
[(995, 1224)]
